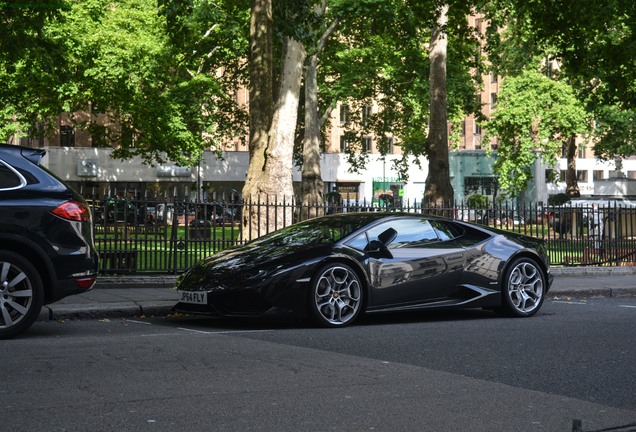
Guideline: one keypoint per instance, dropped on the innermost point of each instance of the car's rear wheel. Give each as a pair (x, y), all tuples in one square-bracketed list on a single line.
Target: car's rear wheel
[(336, 296), (524, 288), (21, 294)]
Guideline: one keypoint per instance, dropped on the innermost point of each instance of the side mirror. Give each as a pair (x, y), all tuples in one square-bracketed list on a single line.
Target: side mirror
[(387, 236)]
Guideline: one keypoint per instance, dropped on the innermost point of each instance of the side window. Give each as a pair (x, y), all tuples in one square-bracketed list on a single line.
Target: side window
[(446, 230), (359, 242), (9, 179), (410, 233)]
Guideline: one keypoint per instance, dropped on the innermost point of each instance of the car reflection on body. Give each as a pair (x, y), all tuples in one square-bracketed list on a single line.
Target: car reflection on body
[(331, 269)]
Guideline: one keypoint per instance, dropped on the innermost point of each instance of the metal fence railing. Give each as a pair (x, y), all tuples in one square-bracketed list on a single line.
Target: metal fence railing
[(169, 237)]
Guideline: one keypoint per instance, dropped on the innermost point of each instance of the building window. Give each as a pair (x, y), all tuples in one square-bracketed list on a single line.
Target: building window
[(344, 113), (366, 144), (478, 24), (494, 143), (127, 137), (550, 176), (344, 145), (581, 152), (493, 100), (564, 151), (463, 128), (67, 136), (391, 143), (366, 114), (581, 176), (98, 137), (494, 78), (477, 129), (562, 175), (598, 175)]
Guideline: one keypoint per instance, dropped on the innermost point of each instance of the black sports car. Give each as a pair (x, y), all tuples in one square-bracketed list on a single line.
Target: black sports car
[(333, 268)]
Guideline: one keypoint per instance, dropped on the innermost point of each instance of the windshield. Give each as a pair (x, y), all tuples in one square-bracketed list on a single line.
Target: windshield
[(326, 230)]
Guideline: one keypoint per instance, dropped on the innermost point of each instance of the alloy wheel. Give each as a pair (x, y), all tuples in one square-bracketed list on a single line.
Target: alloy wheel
[(525, 288), (20, 294), (337, 296)]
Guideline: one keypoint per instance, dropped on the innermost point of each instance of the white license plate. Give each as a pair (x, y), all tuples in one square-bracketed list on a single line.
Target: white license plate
[(195, 297)]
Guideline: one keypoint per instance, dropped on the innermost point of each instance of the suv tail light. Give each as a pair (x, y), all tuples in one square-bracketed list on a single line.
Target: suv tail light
[(74, 211)]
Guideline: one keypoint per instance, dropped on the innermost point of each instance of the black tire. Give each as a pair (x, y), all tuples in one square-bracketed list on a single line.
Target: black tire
[(21, 294), (336, 296), (523, 288)]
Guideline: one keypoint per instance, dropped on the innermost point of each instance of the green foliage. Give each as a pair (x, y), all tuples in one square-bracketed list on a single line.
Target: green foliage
[(595, 45), (477, 201), (381, 57), (160, 95), (533, 118), (616, 130), (558, 199), (30, 65)]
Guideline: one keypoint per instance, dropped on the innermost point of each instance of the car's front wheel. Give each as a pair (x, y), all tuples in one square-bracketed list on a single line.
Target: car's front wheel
[(336, 296), (524, 288), (21, 294)]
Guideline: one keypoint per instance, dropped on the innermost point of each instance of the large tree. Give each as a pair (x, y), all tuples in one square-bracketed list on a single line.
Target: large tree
[(595, 45), (273, 115), (534, 119), (381, 59), (30, 67), (439, 191), (142, 66), (312, 185)]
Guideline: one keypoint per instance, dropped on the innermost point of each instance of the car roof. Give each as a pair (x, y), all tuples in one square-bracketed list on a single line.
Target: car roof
[(33, 155)]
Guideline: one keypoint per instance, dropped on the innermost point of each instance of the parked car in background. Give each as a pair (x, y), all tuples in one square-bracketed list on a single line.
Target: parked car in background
[(120, 210), (46, 243)]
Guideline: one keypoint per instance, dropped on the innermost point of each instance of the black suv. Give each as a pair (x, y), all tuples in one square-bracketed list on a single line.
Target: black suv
[(46, 239)]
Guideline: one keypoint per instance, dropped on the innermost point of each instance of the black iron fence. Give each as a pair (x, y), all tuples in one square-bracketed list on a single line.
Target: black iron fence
[(169, 237)]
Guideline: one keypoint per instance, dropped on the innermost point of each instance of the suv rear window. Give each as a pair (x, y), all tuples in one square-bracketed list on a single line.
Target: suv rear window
[(9, 179)]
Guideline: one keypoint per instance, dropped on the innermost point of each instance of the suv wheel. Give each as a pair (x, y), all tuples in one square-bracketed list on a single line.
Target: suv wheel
[(21, 294)]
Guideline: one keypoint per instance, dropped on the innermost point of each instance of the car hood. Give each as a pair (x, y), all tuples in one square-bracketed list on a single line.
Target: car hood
[(244, 266)]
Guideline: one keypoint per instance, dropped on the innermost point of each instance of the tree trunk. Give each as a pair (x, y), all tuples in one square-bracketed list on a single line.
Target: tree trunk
[(572, 185), (438, 191), (269, 175), (311, 186)]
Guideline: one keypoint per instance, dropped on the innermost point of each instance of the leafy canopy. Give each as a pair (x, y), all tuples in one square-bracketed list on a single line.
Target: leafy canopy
[(533, 118)]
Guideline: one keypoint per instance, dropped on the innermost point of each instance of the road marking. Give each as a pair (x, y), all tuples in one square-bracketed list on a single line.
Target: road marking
[(569, 302), (192, 330), (138, 322), (627, 306), (223, 332)]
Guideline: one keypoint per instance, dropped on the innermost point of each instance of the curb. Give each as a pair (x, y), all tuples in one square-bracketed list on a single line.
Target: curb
[(141, 281), (592, 271), (63, 312), (607, 292)]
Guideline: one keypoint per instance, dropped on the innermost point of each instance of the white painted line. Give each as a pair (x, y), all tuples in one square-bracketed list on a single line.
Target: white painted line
[(223, 332), (192, 330), (569, 302), (627, 306), (138, 322)]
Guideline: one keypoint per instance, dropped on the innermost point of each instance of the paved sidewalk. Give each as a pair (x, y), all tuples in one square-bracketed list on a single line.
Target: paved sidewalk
[(151, 295)]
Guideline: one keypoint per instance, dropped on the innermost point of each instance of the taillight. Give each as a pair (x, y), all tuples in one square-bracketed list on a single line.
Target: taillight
[(73, 210), (85, 283)]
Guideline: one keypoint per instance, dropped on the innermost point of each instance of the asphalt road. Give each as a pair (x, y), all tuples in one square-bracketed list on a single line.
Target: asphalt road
[(468, 371)]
